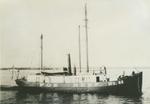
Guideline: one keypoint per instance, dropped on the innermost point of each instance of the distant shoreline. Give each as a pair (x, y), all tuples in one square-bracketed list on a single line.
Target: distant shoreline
[(25, 68), (52, 68)]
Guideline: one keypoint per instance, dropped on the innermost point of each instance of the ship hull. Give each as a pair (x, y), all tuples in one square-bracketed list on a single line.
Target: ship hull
[(132, 85)]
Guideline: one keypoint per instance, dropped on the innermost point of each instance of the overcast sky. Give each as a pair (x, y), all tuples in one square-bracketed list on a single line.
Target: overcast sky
[(119, 32)]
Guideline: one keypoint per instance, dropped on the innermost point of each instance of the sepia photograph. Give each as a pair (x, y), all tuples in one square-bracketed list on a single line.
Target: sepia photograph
[(74, 51)]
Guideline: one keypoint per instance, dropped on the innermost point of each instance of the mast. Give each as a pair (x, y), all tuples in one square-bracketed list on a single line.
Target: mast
[(86, 32), (79, 50), (41, 52)]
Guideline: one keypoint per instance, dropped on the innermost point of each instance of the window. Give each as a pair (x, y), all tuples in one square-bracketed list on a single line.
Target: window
[(97, 79)]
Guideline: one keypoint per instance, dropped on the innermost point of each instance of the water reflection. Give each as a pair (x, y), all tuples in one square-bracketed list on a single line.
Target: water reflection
[(63, 98), (132, 100)]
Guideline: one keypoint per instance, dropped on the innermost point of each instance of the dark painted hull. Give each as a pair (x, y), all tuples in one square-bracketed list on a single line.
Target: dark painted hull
[(132, 86)]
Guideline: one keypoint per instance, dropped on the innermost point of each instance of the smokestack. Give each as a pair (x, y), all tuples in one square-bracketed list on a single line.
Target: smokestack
[(69, 64)]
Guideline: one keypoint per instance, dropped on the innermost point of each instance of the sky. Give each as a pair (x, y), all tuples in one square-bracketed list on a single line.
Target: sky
[(119, 32)]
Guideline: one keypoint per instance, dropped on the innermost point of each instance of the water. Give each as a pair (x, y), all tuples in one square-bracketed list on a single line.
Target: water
[(17, 97)]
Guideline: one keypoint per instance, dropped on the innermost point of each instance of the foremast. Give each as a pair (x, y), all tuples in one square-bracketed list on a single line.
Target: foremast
[(41, 67)]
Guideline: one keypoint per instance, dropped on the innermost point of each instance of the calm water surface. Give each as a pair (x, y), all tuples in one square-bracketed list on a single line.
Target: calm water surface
[(17, 97)]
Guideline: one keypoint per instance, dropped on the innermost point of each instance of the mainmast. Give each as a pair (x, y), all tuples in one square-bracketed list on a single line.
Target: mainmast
[(41, 52), (79, 50), (86, 32)]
